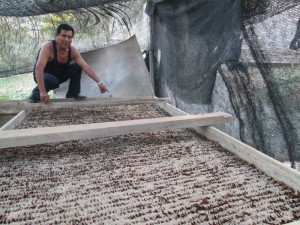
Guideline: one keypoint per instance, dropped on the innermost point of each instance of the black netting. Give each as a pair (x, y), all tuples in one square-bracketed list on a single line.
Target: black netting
[(282, 103), (256, 10), (192, 41), (33, 8), (248, 44)]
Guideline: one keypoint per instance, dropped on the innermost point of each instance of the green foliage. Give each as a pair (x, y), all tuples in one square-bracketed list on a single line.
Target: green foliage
[(133, 8), (16, 43), (284, 75), (288, 83), (21, 38), (16, 87), (51, 21)]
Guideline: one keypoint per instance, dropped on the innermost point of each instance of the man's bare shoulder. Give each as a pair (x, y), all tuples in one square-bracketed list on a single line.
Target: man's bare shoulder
[(48, 45), (74, 52), (47, 51)]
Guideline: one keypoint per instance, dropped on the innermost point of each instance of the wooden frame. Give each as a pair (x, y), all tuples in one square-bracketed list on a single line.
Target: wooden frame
[(11, 124), (263, 162), (15, 106), (268, 165)]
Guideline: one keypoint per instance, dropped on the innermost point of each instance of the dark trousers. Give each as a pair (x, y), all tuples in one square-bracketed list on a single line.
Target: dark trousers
[(52, 81)]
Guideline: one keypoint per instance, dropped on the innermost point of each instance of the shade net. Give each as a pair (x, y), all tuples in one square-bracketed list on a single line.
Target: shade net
[(252, 46), (20, 8)]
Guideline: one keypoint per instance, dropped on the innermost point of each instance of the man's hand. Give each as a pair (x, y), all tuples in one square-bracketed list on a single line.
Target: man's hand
[(45, 97), (102, 88)]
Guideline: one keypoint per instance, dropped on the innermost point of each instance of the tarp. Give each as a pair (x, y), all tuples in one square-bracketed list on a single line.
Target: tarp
[(192, 39)]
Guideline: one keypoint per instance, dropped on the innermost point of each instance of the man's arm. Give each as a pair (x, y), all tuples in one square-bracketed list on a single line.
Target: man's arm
[(44, 55), (87, 69)]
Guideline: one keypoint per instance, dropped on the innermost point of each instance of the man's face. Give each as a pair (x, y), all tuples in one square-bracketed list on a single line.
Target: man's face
[(64, 38)]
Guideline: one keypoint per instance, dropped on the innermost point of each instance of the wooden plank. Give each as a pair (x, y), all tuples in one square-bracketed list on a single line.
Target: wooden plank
[(293, 223), (10, 107), (263, 162), (16, 106), (94, 103), (11, 138), (14, 121)]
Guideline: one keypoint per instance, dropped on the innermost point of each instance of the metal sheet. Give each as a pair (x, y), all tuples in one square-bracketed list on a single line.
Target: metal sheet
[(121, 67)]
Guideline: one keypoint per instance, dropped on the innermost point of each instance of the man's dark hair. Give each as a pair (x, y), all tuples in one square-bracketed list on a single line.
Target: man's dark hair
[(64, 26)]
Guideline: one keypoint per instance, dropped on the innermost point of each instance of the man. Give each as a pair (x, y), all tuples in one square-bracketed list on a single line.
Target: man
[(53, 67)]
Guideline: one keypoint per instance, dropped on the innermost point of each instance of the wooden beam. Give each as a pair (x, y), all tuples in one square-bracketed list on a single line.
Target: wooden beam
[(293, 223), (21, 137), (265, 163), (10, 107), (16, 106)]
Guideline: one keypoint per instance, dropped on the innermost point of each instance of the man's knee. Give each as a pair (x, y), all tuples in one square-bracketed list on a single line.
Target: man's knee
[(51, 82), (77, 66), (76, 69)]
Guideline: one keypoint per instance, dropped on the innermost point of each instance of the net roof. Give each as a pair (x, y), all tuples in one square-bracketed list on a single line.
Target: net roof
[(254, 9), (22, 8)]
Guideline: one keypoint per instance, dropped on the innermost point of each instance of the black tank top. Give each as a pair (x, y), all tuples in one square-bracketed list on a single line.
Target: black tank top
[(54, 67)]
